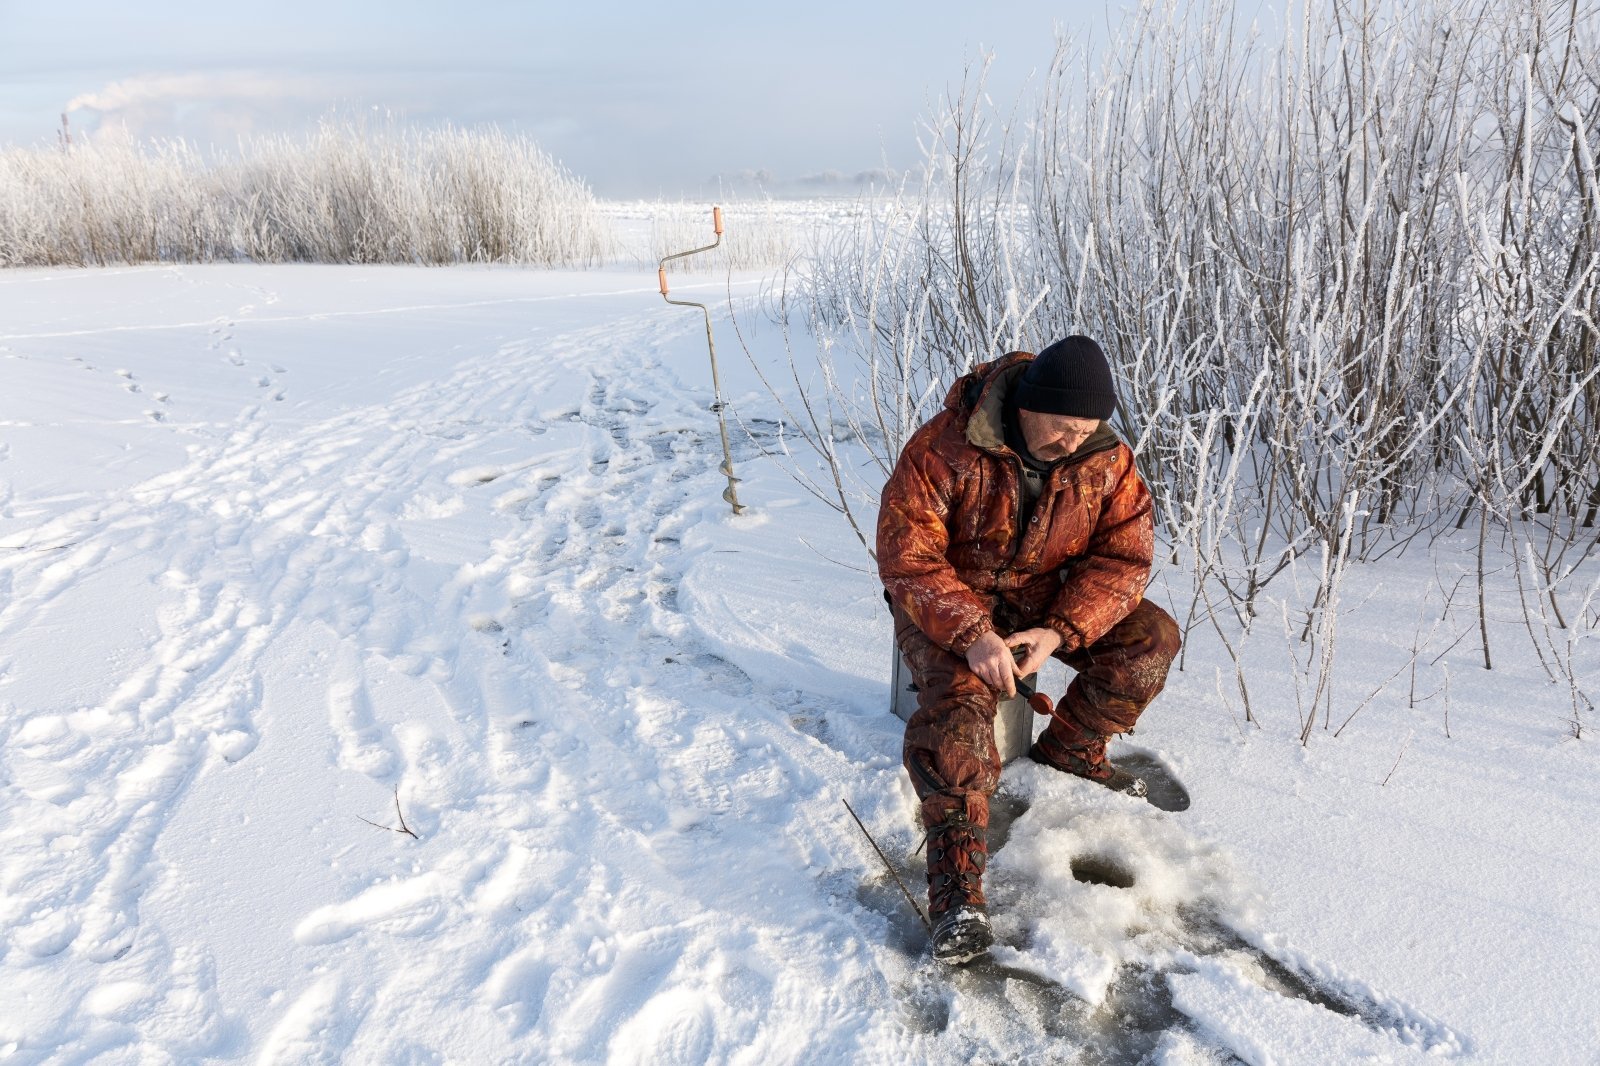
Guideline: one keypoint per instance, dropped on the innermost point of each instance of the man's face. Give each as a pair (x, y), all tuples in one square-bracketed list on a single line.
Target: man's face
[(1054, 436)]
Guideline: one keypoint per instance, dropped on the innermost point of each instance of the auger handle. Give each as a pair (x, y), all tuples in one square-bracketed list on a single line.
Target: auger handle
[(661, 267)]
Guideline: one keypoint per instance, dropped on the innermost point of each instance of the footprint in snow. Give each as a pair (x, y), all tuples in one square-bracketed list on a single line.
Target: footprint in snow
[(403, 908), (476, 475)]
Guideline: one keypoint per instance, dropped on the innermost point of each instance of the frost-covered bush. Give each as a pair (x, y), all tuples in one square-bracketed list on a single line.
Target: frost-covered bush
[(1372, 266), (348, 193), (1348, 274)]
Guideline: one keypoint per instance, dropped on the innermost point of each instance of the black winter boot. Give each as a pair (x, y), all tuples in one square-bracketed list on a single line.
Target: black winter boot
[(1082, 753), (958, 851)]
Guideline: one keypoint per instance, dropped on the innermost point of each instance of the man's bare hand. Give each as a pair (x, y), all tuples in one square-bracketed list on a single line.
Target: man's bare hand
[(990, 658), (1039, 643)]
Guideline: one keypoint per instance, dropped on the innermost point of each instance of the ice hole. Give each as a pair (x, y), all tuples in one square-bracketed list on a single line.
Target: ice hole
[(1099, 870)]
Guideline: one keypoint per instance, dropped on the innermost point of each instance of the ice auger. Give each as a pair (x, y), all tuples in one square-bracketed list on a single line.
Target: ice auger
[(730, 493)]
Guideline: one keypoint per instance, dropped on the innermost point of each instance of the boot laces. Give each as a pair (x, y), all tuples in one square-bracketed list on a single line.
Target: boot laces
[(958, 850)]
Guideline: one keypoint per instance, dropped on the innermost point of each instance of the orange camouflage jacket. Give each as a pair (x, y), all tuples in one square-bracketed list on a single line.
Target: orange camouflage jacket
[(950, 549)]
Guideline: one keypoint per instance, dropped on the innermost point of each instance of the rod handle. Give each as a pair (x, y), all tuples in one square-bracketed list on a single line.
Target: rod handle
[(716, 220), (661, 276)]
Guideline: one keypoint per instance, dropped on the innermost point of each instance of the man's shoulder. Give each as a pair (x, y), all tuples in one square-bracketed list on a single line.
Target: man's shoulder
[(938, 435)]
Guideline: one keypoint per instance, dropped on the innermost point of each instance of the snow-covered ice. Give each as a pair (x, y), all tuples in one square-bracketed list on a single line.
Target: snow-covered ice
[(289, 554)]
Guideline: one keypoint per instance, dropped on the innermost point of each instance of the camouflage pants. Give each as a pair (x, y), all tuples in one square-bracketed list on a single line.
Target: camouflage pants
[(949, 745)]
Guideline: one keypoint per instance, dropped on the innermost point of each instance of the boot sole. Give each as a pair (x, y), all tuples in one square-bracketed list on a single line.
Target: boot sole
[(965, 946), (962, 958)]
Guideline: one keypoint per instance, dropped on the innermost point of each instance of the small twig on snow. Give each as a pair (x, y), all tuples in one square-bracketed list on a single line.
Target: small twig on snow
[(1397, 759), (888, 865), (404, 828)]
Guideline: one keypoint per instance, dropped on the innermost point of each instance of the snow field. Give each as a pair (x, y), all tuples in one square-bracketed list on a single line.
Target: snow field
[(473, 571), (305, 576)]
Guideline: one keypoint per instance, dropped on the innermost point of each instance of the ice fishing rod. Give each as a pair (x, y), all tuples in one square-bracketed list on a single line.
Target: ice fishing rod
[(730, 493), (887, 864), (1038, 702)]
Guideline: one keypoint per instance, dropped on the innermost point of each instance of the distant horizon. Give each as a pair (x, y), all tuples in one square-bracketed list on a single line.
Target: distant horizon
[(654, 106), (759, 184)]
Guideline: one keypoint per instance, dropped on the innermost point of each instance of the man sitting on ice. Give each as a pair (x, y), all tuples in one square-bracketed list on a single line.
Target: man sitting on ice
[(1015, 527)]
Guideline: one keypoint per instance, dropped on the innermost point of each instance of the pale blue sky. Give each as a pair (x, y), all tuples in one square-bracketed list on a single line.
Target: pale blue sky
[(638, 99)]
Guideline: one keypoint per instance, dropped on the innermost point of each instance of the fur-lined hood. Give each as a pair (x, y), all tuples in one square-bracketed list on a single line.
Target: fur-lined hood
[(979, 397)]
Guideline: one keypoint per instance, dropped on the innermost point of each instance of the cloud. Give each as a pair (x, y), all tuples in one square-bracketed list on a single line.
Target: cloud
[(150, 90), (218, 107)]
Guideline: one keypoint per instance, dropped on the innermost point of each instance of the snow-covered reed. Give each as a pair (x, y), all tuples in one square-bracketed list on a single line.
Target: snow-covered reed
[(349, 192), (112, 202)]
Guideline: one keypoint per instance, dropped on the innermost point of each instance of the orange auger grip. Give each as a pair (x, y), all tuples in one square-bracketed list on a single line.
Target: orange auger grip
[(716, 220), (661, 275)]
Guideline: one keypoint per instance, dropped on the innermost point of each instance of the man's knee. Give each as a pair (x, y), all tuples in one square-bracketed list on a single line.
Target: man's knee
[(1120, 674), (1161, 637), (949, 741), (1148, 635), (949, 744), (946, 686)]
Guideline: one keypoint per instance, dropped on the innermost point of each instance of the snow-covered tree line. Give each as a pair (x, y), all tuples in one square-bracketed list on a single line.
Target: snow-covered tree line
[(348, 193), (1347, 269)]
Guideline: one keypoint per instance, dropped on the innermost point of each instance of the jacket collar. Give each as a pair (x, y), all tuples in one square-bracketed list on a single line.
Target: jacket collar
[(981, 396)]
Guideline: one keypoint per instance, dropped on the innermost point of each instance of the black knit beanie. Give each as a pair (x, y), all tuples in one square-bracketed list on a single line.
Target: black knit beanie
[(1071, 377)]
